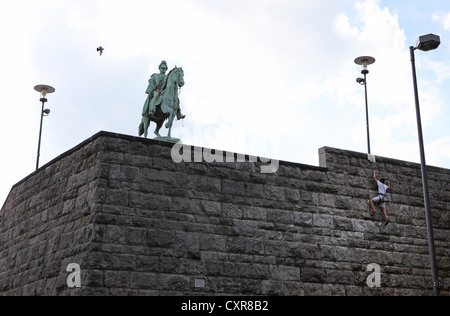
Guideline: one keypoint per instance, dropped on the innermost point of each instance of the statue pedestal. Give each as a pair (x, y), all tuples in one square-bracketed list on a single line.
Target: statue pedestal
[(168, 139)]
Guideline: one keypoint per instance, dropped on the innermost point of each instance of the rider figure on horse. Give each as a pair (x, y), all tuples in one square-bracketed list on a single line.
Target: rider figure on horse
[(162, 102), (156, 85)]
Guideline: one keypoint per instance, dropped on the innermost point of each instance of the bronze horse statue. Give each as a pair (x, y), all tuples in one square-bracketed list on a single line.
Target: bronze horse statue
[(167, 105)]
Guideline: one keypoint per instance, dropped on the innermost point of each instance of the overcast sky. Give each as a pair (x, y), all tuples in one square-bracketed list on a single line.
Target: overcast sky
[(273, 78)]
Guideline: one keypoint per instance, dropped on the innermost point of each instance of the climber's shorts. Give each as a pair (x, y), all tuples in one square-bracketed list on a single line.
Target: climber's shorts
[(381, 200)]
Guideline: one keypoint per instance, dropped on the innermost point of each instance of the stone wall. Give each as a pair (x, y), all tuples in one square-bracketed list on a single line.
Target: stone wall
[(137, 223)]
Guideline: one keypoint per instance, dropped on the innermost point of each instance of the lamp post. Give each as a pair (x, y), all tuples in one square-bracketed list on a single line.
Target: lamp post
[(364, 62), (43, 90), (426, 43)]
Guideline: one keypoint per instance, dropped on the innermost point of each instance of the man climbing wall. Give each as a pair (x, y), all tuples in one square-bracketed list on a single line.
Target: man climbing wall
[(381, 199)]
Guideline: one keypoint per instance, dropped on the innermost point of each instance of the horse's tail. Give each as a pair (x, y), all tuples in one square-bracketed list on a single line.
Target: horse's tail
[(141, 129)]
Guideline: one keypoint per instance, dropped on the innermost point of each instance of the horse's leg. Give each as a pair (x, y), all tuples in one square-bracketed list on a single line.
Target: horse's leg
[(158, 127), (165, 108), (170, 119)]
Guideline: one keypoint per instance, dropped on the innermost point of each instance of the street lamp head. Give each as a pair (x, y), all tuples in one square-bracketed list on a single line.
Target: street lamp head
[(364, 62), (428, 42), (44, 90)]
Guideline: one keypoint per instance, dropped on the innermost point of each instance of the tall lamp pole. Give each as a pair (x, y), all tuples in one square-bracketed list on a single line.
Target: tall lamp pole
[(43, 90), (364, 62), (426, 43)]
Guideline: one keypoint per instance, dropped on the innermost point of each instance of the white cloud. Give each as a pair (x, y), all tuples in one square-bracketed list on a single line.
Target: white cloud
[(438, 151), (443, 18), (441, 71)]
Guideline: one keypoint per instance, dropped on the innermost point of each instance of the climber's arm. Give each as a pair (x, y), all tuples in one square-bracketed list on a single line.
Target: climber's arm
[(375, 176)]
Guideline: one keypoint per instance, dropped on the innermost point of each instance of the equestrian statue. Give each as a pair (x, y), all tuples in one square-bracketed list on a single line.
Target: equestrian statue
[(162, 102)]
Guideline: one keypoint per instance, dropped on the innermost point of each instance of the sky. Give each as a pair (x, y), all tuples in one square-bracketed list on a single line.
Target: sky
[(270, 78)]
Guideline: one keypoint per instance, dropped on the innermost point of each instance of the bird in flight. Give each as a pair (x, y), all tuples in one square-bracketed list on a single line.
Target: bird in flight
[(100, 49)]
